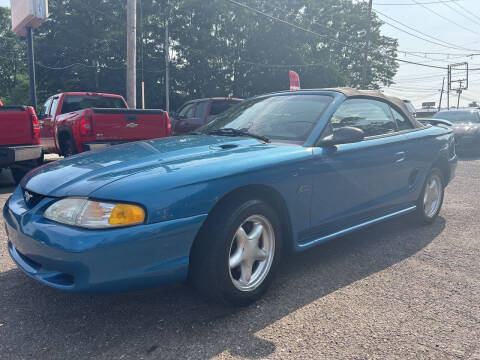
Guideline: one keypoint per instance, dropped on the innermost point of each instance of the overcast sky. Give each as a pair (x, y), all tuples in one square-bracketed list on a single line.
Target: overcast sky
[(418, 83)]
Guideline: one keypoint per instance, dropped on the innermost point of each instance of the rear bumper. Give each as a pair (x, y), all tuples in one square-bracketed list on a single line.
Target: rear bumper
[(95, 146), (79, 260), (103, 144), (12, 154)]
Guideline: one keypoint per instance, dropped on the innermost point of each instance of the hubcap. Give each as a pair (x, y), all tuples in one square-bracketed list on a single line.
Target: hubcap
[(433, 196), (251, 253)]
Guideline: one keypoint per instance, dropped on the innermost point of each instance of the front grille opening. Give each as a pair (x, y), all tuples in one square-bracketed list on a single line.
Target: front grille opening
[(29, 261), (61, 279), (57, 278), (31, 199)]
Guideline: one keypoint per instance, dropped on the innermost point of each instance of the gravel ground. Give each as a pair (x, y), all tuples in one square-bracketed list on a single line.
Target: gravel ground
[(393, 291)]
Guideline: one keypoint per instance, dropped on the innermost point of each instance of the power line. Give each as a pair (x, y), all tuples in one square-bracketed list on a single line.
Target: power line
[(455, 47), (437, 53), (466, 10), (75, 64), (445, 18), (324, 36), (450, 45), (416, 36), (433, 60), (282, 65), (423, 3), (466, 15)]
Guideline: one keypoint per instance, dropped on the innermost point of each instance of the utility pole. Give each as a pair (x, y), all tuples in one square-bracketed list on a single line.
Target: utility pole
[(448, 98), (132, 53), (441, 95), (367, 45), (142, 55), (31, 68), (167, 70), (459, 92)]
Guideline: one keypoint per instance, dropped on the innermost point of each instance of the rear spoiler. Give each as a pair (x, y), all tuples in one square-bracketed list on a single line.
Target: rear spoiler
[(435, 122)]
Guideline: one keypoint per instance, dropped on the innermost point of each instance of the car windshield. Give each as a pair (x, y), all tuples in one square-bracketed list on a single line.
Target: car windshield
[(80, 102), (283, 117), (458, 116)]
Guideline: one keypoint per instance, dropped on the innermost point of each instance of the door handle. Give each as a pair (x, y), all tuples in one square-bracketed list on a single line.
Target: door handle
[(400, 156)]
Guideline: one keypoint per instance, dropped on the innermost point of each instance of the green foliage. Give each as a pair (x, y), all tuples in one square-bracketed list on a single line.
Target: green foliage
[(473, 104), (217, 48), (12, 61)]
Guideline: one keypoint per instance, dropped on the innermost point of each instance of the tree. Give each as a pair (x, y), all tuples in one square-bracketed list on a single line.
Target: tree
[(217, 48), (12, 62), (473, 104)]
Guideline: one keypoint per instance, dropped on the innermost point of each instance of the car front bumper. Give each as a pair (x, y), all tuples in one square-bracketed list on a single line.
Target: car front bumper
[(467, 143), (96, 261), (13, 154)]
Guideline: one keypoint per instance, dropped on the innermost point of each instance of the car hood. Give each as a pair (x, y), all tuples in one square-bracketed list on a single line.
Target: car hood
[(467, 128), (82, 174)]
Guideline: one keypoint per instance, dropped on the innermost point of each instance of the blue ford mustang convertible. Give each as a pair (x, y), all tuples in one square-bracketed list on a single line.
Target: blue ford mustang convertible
[(276, 173)]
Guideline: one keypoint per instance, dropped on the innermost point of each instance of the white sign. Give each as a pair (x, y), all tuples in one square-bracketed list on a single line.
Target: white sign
[(28, 13)]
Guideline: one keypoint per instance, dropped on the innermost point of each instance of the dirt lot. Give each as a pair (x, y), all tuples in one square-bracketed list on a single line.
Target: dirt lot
[(393, 291)]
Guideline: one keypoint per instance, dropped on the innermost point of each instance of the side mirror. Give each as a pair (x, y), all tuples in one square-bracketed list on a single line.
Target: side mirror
[(343, 135)]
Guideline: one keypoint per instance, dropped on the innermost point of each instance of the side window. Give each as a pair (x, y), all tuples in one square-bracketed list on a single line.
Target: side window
[(403, 123), (187, 111), (219, 107), (44, 109), (201, 109), (373, 117), (53, 108)]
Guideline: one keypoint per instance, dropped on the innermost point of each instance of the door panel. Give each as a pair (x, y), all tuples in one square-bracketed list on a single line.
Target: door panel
[(358, 182)]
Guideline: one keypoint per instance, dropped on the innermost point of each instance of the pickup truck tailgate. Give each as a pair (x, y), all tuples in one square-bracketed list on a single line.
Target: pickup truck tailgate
[(15, 125), (125, 124)]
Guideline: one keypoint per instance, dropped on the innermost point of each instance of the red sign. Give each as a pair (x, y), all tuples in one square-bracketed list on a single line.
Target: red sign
[(294, 81)]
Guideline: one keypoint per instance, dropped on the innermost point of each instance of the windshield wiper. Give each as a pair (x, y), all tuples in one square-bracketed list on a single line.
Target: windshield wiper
[(236, 132)]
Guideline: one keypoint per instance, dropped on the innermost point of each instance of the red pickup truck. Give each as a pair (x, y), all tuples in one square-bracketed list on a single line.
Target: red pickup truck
[(20, 148), (80, 121)]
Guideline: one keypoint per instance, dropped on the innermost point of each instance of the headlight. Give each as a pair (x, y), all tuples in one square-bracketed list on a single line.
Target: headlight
[(94, 214)]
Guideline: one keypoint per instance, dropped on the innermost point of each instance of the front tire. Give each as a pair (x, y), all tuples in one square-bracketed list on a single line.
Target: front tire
[(236, 255), (431, 199), (19, 170)]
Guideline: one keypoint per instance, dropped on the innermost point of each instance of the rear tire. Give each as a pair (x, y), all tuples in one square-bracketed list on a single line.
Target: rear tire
[(235, 257), (68, 147), (431, 198), (18, 173)]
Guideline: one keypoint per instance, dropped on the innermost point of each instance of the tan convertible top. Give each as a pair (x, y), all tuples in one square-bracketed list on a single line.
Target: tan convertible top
[(351, 92)]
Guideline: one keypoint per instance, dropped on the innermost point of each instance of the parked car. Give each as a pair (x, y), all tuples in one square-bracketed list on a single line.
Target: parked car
[(20, 148), (283, 171), (436, 122), (466, 128), (196, 113), (80, 121)]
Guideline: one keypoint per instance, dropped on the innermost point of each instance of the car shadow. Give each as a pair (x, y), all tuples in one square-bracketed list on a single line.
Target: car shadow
[(468, 156), (7, 184), (173, 323)]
